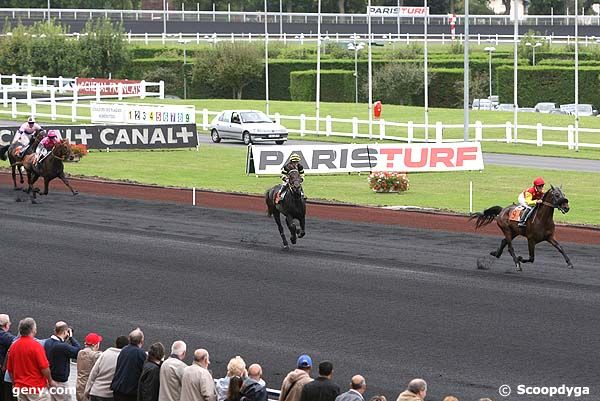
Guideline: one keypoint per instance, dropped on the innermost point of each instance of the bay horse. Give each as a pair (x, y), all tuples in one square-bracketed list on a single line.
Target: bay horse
[(13, 150), (540, 226), (292, 206), (50, 168)]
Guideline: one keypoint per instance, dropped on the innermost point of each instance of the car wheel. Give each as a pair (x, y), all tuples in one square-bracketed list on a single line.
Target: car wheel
[(279, 142), (246, 138), (214, 135)]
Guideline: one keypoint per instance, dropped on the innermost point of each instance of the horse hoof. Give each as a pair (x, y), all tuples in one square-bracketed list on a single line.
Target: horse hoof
[(293, 240), (302, 234), (520, 259), (570, 266), (493, 253), (285, 248), (33, 201), (75, 193), (519, 268)]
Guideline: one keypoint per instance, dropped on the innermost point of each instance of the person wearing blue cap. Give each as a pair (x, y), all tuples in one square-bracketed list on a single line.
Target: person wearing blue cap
[(291, 388)]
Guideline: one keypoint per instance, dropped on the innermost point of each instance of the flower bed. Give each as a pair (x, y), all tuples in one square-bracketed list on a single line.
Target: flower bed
[(77, 152), (388, 181)]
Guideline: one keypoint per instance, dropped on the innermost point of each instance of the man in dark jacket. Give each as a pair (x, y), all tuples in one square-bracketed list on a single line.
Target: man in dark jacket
[(129, 368), (322, 388), (60, 349), (149, 383), (253, 388), (6, 339)]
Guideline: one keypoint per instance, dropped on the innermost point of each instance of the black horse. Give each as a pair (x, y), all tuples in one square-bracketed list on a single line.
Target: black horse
[(292, 206), (14, 158), (540, 227)]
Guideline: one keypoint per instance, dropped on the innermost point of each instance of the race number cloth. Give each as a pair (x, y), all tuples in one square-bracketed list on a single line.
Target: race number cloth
[(331, 158)]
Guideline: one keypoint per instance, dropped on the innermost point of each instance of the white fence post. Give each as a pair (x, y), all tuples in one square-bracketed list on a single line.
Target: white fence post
[(278, 118), (61, 88), (328, 125), (142, 89), (540, 138), (73, 111), (439, 131), (120, 90), (4, 96), (14, 81), (75, 93), (508, 132), (29, 88), (161, 89), (97, 92), (33, 109), (302, 124), (411, 132), (53, 103), (13, 105), (45, 83), (382, 129), (146, 38), (570, 137), (478, 131), (354, 127), (204, 119)]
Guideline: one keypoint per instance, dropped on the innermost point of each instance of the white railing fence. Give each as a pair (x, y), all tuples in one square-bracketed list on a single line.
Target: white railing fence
[(353, 128)]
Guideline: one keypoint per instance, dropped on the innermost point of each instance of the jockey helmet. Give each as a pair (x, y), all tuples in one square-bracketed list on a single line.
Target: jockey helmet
[(538, 181), (31, 120), (295, 157), (52, 133)]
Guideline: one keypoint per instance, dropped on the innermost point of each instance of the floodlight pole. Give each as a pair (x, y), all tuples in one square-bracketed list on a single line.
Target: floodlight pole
[(425, 72), (164, 17), (466, 74), (370, 72), (515, 69), (576, 76), (266, 61), (317, 111)]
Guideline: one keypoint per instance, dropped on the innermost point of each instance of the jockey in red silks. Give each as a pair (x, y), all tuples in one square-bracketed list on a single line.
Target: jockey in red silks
[(25, 132), (47, 144), (529, 199)]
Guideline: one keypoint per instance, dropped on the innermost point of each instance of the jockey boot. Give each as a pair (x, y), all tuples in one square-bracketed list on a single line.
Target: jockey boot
[(524, 216), (23, 150)]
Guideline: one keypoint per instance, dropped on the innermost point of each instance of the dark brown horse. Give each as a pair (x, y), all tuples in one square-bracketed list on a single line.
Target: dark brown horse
[(540, 226), (50, 168), (13, 151), (292, 206)]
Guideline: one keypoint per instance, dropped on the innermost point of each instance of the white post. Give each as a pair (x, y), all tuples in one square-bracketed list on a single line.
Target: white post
[(508, 132), (193, 194), (44, 83), (61, 84), (576, 77), (439, 130), (411, 132), (73, 111), (466, 75), (14, 81), (13, 104), (29, 88), (318, 89), (120, 90), (570, 137), (382, 129), (354, 126), (470, 196), (53, 103), (478, 131), (302, 124), (33, 109), (97, 92), (204, 119), (75, 92), (540, 138), (161, 89), (425, 72), (515, 68), (328, 129), (370, 72), (143, 89), (277, 118), (266, 61), (146, 38), (4, 96)]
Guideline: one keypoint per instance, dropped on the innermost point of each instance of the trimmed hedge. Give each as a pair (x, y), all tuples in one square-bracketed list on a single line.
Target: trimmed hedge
[(539, 56), (336, 85), (549, 84)]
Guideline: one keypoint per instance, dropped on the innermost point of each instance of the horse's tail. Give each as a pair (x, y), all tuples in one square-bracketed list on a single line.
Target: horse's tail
[(3, 150), (268, 202), (486, 217)]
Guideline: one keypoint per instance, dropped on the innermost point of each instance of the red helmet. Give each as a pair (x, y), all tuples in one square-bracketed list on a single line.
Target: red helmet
[(52, 133), (538, 181)]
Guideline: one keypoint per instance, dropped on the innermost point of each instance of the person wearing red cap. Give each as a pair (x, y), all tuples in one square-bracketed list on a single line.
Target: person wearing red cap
[(529, 199), (86, 358)]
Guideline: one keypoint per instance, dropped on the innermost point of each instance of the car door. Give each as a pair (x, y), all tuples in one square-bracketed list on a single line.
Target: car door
[(235, 128)]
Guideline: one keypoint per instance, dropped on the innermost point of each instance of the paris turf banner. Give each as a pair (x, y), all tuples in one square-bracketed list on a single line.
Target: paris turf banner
[(332, 158), (121, 136)]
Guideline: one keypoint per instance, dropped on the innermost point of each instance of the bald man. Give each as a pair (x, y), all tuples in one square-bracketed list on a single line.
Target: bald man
[(197, 383), (358, 386), (415, 391), (254, 388)]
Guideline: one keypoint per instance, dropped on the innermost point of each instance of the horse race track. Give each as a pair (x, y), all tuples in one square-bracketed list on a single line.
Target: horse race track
[(391, 301)]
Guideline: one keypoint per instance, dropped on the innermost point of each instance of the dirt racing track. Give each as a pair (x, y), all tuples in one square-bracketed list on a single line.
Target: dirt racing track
[(389, 294)]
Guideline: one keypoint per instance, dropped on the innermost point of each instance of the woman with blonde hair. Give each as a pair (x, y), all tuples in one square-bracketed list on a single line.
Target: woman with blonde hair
[(235, 367)]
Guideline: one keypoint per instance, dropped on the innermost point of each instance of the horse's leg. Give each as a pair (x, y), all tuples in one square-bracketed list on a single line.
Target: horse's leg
[(14, 177), (64, 179), (561, 250), (277, 217), (302, 230), (531, 244), (46, 183), (292, 227), (21, 180), (498, 252)]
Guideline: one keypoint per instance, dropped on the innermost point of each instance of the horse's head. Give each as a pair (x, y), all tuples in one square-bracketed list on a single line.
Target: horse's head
[(295, 182), (62, 149), (37, 137), (558, 199)]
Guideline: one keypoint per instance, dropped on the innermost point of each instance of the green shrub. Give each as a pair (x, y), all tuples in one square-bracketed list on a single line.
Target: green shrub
[(336, 85)]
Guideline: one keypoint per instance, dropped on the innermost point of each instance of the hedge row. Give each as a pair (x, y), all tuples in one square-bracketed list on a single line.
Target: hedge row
[(336, 85), (549, 84)]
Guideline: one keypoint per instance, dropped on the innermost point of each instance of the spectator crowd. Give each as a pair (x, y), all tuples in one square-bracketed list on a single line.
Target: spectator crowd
[(39, 370)]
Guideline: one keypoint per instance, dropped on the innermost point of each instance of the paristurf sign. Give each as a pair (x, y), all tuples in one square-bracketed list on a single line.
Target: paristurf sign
[(389, 11)]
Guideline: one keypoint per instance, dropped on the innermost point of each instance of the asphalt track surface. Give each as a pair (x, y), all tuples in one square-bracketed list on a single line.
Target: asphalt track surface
[(387, 301)]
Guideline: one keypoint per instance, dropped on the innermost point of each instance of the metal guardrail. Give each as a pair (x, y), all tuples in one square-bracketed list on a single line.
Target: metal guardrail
[(288, 18)]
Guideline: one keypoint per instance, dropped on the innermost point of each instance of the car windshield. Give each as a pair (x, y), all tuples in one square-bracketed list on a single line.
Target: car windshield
[(255, 117)]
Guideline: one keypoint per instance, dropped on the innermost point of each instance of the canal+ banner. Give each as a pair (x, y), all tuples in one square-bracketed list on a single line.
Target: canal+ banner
[(331, 159)]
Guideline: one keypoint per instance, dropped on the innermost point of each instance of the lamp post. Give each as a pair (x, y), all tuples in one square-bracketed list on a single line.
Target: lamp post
[(533, 46), (356, 46), (184, 43), (490, 50)]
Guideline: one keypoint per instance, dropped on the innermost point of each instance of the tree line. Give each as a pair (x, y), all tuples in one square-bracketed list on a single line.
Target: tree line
[(537, 7)]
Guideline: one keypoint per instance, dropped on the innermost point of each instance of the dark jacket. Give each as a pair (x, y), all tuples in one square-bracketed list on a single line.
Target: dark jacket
[(149, 383), (321, 389), (290, 166), (6, 339), (128, 371), (253, 391), (59, 354)]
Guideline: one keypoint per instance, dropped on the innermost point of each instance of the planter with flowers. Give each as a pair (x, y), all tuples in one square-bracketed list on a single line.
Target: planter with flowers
[(383, 182), (77, 152)]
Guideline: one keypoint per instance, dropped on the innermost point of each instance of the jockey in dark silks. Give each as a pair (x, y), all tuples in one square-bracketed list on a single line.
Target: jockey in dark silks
[(292, 164), (529, 199)]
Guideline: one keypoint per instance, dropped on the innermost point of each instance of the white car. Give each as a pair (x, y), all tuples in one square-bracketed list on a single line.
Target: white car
[(545, 107), (585, 110), (248, 126), (482, 104)]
